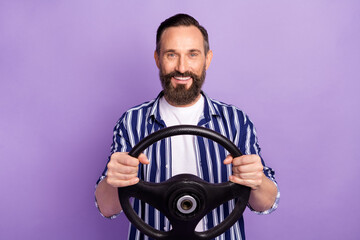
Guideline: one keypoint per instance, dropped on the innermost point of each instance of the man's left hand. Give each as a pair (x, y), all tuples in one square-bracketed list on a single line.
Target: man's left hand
[(247, 170)]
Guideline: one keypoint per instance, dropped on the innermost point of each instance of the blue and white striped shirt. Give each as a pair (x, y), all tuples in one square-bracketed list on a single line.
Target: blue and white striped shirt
[(142, 120)]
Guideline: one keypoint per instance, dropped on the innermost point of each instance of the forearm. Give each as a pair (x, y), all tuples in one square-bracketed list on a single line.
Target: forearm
[(107, 199), (264, 196)]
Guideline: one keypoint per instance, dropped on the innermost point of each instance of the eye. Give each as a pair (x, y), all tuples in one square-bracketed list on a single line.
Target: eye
[(194, 54), (171, 55)]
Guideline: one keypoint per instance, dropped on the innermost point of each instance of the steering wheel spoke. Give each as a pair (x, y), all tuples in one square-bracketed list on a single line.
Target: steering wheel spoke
[(148, 192), (223, 192)]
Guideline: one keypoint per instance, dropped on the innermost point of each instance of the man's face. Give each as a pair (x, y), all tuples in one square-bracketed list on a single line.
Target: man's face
[(182, 64)]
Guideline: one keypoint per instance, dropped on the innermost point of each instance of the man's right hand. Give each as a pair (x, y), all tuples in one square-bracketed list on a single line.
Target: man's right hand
[(123, 169)]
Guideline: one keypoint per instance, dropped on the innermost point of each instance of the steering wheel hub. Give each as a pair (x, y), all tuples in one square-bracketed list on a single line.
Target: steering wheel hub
[(186, 204)]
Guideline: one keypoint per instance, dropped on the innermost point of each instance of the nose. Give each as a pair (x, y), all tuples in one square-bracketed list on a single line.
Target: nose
[(182, 65)]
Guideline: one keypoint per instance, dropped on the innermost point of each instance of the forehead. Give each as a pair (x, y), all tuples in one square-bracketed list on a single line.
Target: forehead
[(182, 38)]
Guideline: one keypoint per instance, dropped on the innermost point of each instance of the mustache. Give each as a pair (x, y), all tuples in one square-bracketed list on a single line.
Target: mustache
[(179, 74)]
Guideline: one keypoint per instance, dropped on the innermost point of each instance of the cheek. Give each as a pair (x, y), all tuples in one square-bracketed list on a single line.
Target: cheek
[(199, 70), (167, 68), (197, 67)]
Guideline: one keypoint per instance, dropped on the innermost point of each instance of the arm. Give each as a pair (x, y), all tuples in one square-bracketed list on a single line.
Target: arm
[(107, 199), (122, 171)]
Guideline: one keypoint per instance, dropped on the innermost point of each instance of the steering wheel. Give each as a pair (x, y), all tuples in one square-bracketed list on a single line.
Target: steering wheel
[(184, 199)]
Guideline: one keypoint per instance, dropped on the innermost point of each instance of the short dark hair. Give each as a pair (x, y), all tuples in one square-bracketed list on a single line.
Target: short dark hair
[(181, 19)]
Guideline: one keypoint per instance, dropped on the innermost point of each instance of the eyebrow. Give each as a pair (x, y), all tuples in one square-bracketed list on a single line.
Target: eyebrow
[(169, 51), (173, 50)]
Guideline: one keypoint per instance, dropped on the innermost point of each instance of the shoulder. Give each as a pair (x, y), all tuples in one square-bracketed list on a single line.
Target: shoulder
[(137, 112), (141, 107), (228, 111)]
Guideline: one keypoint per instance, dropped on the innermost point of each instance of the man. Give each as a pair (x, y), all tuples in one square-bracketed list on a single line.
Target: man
[(183, 56)]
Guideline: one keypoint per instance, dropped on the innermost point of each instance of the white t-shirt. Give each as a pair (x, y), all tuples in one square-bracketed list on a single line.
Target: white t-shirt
[(183, 146)]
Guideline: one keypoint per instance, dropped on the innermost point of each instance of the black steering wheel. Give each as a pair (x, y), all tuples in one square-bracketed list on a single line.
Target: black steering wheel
[(184, 199)]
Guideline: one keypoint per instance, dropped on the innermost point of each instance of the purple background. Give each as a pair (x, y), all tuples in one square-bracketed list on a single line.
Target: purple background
[(68, 70)]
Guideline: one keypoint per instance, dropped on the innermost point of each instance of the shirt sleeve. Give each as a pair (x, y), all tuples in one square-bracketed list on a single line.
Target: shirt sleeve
[(251, 146), (120, 143)]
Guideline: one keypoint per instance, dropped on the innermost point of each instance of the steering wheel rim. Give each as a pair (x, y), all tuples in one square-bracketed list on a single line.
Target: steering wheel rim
[(163, 193)]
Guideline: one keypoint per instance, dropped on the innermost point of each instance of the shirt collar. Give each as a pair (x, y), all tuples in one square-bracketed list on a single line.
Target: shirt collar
[(155, 113), (209, 110)]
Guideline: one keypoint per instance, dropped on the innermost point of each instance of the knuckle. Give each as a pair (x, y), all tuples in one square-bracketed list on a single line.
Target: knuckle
[(259, 166), (110, 166), (115, 156)]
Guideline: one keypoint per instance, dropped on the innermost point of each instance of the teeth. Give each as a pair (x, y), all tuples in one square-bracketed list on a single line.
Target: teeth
[(182, 78)]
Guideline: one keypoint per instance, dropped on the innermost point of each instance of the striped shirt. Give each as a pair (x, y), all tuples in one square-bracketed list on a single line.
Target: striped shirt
[(142, 120)]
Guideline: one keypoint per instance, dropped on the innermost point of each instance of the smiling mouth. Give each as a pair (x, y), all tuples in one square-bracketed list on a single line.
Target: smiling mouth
[(182, 78)]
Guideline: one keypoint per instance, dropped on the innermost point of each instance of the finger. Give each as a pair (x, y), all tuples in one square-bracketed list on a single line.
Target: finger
[(248, 168), (127, 170), (118, 154), (252, 183), (250, 176), (122, 177), (119, 171), (125, 159), (122, 183), (121, 166), (246, 159)]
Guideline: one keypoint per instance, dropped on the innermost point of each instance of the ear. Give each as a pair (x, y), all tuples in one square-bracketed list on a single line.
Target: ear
[(156, 57), (208, 58)]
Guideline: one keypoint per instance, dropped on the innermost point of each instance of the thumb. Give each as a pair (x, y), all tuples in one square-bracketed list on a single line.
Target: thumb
[(143, 159), (228, 159)]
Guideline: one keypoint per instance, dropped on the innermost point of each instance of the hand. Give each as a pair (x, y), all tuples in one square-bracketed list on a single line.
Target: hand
[(123, 169), (247, 170)]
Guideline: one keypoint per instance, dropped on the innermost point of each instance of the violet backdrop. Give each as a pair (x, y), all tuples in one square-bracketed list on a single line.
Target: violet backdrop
[(68, 70)]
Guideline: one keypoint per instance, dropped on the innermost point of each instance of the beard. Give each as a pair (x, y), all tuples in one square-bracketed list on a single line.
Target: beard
[(179, 95)]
